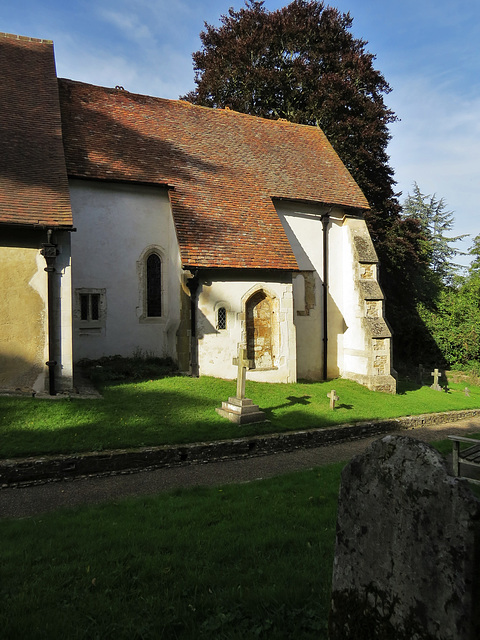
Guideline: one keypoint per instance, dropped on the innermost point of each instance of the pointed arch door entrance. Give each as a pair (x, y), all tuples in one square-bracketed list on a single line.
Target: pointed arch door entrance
[(259, 313)]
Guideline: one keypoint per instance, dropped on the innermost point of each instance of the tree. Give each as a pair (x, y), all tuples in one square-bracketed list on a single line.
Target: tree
[(474, 251), (302, 63), (435, 222), (454, 324)]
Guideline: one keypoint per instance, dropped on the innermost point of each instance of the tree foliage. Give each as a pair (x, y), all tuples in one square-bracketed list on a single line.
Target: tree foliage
[(435, 222), (453, 318), (454, 324), (474, 251)]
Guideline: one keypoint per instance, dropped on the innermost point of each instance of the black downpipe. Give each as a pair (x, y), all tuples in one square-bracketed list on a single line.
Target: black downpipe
[(192, 284), (50, 252), (325, 220)]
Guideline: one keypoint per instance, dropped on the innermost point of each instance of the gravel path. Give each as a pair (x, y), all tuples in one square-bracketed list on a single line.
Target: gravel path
[(35, 500)]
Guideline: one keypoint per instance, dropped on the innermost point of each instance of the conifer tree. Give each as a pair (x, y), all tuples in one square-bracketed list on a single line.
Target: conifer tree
[(435, 223), (474, 251)]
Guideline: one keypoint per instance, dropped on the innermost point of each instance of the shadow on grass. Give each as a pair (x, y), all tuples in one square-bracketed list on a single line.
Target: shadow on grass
[(413, 383), (292, 401), (135, 418)]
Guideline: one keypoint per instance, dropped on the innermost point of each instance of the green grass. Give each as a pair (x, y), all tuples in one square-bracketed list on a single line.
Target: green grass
[(179, 410), (233, 562), (236, 562)]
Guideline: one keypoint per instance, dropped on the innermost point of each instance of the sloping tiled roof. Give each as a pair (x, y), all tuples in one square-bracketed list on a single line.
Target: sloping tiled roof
[(224, 167), (33, 177)]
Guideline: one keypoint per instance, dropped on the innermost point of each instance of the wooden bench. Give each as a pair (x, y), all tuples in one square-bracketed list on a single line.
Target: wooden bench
[(469, 456)]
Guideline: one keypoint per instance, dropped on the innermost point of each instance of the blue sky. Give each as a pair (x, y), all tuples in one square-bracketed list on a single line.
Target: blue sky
[(428, 51)]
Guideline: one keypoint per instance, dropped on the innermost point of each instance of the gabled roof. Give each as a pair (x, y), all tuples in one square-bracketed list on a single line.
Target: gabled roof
[(33, 177), (224, 169)]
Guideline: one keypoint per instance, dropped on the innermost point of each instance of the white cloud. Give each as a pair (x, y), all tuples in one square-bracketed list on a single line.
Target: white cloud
[(129, 24), (437, 145)]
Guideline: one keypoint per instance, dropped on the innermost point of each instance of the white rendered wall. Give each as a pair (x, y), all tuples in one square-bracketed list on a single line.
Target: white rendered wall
[(63, 311), (217, 348), (117, 225), (346, 338), (303, 226)]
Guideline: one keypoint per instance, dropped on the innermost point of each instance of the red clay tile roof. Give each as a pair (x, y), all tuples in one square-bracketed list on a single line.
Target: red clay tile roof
[(224, 167), (33, 177)]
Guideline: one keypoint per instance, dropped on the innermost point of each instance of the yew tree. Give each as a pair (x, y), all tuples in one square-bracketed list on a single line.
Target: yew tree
[(435, 222)]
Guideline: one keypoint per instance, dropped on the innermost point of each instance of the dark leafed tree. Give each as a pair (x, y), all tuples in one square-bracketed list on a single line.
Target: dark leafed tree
[(302, 63)]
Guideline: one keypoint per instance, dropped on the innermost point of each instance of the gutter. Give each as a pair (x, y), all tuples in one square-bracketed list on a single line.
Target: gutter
[(50, 253), (325, 222), (192, 284)]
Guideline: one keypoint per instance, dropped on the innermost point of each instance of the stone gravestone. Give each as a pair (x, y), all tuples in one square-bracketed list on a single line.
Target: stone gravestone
[(333, 398), (239, 409), (436, 375), (406, 564), (420, 373)]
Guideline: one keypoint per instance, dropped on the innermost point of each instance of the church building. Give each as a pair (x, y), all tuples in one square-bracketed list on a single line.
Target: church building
[(134, 224)]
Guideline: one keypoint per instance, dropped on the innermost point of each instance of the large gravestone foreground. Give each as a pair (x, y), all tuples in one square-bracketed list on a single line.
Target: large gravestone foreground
[(407, 552)]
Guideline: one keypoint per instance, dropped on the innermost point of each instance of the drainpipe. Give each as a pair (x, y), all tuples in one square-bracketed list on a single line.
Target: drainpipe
[(50, 252), (325, 221), (192, 284)]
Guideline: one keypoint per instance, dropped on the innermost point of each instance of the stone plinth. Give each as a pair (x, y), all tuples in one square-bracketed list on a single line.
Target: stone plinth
[(407, 552), (241, 411)]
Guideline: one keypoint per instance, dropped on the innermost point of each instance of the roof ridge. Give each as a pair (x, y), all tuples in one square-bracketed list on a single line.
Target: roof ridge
[(13, 36)]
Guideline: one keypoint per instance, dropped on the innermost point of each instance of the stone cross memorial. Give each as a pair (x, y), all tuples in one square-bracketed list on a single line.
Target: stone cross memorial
[(436, 375), (242, 362), (239, 409), (407, 556), (333, 398)]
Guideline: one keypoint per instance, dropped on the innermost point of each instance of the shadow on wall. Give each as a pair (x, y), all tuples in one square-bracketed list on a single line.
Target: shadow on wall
[(18, 374), (102, 146)]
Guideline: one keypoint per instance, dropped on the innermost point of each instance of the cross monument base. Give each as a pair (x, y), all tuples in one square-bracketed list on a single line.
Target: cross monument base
[(241, 411)]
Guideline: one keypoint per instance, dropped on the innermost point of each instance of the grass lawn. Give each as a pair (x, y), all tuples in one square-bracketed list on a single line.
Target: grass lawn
[(179, 410), (240, 561)]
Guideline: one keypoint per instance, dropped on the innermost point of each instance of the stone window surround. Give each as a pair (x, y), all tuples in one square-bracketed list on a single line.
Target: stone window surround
[(221, 304), (142, 276), (89, 325)]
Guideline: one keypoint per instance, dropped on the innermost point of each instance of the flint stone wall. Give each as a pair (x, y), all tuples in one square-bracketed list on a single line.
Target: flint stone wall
[(17, 471), (406, 561)]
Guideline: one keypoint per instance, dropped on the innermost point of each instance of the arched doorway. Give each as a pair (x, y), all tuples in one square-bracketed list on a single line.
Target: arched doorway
[(260, 321)]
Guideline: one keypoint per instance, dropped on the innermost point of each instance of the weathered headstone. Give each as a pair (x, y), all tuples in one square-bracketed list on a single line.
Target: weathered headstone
[(436, 375), (333, 398), (421, 371), (407, 559), (239, 409)]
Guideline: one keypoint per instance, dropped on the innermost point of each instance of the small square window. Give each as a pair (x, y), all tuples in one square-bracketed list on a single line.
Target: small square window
[(90, 310), (89, 306)]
